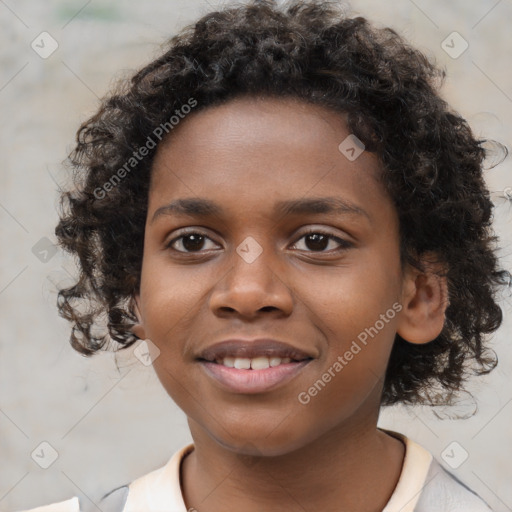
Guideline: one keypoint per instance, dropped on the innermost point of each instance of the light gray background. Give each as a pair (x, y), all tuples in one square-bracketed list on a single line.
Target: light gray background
[(111, 426)]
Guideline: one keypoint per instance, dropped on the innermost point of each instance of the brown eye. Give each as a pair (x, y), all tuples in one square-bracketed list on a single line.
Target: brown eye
[(318, 241), (190, 242)]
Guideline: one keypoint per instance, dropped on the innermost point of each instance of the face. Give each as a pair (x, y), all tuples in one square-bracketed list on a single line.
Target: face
[(319, 278)]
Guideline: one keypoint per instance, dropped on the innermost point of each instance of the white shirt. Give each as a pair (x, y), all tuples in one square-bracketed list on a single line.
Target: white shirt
[(424, 486)]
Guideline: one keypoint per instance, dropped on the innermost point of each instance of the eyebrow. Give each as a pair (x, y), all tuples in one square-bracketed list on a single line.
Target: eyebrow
[(203, 208)]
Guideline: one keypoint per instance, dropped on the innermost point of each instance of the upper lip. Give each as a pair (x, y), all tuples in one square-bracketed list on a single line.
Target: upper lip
[(251, 349)]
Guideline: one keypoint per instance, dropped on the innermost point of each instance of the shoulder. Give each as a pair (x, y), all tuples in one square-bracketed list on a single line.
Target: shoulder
[(425, 486), (162, 485), (445, 492), (71, 505), (113, 501)]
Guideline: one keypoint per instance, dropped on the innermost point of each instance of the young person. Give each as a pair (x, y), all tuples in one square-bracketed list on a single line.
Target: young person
[(286, 209)]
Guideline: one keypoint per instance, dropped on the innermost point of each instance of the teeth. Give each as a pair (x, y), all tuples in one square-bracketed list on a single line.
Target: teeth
[(276, 361), (242, 363), (256, 363), (260, 363), (229, 361)]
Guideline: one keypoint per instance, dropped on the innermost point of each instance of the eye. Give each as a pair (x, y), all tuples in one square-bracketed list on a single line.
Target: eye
[(319, 240), (315, 240), (191, 241)]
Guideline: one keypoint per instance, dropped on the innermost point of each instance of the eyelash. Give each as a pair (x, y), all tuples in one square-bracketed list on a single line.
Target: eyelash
[(344, 244)]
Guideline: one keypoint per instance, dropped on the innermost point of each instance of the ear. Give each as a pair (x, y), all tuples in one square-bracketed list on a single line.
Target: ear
[(138, 328), (424, 300)]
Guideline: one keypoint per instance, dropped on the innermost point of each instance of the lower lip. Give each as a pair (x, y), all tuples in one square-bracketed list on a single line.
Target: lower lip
[(253, 381)]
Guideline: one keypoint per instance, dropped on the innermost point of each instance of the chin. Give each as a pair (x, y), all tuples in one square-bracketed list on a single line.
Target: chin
[(259, 443)]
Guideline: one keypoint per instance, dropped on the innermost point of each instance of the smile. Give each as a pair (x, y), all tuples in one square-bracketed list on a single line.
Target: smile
[(251, 376), (255, 363)]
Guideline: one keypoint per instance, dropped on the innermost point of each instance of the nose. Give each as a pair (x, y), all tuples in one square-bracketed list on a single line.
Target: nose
[(253, 284)]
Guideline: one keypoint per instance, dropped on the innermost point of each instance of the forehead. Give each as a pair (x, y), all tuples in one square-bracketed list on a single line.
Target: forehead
[(255, 152)]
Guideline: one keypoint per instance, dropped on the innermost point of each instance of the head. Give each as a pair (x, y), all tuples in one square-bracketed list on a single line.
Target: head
[(319, 146)]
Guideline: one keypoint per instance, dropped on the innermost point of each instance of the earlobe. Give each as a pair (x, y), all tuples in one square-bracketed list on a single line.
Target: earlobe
[(138, 328), (425, 299)]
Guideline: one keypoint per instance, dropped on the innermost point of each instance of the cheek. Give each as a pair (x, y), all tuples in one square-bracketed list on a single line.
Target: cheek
[(348, 299), (353, 308), (171, 296)]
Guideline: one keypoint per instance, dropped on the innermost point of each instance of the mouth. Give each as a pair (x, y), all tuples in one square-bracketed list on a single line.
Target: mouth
[(255, 363), (251, 367)]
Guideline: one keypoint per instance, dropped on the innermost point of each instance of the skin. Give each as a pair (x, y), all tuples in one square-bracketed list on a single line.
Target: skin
[(268, 451)]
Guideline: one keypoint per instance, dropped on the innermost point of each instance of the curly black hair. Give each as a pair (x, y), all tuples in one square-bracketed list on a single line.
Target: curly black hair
[(313, 51)]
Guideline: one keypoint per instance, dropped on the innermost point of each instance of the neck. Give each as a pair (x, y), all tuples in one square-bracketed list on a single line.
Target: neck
[(332, 473)]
